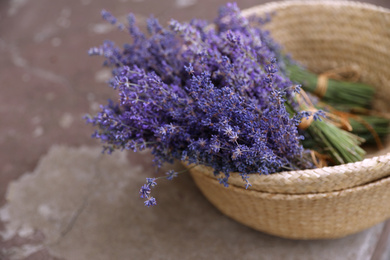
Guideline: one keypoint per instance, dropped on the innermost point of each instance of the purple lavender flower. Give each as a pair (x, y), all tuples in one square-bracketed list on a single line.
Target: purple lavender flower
[(150, 202), (171, 174), (207, 96), (318, 114), (151, 182), (144, 191), (245, 178), (108, 17)]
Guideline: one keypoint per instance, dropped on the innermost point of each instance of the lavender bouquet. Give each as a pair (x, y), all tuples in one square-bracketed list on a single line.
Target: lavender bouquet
[(208, 95)]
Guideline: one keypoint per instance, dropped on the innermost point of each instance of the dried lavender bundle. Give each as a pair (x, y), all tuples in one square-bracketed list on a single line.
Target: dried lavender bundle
[(339, 90), (380, 126), (204, 96), (342, 95), (372, 126)]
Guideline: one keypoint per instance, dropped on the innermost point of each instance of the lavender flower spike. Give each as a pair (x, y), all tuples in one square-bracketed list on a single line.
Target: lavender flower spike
[(213, 97)]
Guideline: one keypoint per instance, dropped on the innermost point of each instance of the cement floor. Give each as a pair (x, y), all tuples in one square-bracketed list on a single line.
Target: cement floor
[(48, 83)]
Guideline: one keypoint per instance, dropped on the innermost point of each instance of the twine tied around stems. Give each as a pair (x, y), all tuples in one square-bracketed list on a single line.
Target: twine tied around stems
[(306, 105), (344, 73), (319, 160), (364, 123), (335, 117)]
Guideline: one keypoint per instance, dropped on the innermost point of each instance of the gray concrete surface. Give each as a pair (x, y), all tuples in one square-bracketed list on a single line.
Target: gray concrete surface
[(86, 206), (48, 83)]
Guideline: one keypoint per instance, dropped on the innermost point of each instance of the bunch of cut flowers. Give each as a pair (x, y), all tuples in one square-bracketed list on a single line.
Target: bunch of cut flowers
[(217, 95)]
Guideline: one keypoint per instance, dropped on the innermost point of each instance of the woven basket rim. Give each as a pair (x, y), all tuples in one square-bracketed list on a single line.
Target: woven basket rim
[(271, 6), (310, 180), (326, 179), (306, 196), (329, 202)]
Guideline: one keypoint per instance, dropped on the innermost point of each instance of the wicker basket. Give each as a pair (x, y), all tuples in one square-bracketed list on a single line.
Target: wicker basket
[(330, 202)]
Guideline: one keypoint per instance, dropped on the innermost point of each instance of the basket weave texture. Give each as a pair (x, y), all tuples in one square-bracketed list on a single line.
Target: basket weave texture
[(329, 202)]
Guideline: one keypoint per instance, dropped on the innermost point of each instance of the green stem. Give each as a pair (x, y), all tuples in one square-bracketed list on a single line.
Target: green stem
[(340, 94)]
